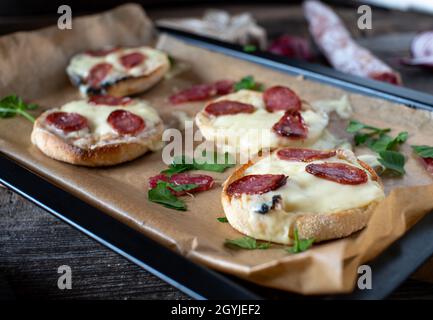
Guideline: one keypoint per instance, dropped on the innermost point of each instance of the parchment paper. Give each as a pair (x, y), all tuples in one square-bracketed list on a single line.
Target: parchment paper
[(33, 65)]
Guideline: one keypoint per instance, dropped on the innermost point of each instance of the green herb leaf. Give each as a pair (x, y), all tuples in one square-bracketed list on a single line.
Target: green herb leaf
[(171, 61), (222, 220), (356, 126), (380, 144), (13, 105), (162, 195), (215, 162), (248, 83), (182, 187), (250, 48), (393, 161), (247, 243), (300, 245), (211, 163), (423, 151), (401, 138)]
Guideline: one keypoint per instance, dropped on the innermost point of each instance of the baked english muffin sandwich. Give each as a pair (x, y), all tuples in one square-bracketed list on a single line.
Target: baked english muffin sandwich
[(117, 71), (324, 194), (99, 131)]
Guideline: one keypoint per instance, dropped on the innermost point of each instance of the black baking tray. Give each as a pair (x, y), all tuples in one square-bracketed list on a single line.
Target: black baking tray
[(390, 269)]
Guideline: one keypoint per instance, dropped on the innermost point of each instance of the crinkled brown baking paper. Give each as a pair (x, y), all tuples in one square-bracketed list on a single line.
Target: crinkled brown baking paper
[(33, 65)]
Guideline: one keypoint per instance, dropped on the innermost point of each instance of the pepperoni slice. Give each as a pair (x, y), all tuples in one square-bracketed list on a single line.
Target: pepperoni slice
[(304, 155), (202, 181), (281, 98), (428, 162), (132, 60), (291, 125), (109, 100), (196, 93), (227, 107), (100, 52), (338, 172), (125, 122), (67, 121), (390, 77), (256, 184), (224, 86), (98, 73)]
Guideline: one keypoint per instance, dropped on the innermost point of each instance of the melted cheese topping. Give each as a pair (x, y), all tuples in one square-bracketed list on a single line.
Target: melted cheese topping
[(305, 193), (100, 131), (81, 64), (252, 132)]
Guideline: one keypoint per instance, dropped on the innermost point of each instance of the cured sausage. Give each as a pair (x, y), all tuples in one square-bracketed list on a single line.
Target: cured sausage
[(109, 100), (203, 182), (281, 98), (98, 73), (343, 53), (228, 107), (338, 172), (67, 121), (304, 155), (224, 87), (291, 125), (195, 93), (125, 122), (256, 184), (132, 60), (202, 92)]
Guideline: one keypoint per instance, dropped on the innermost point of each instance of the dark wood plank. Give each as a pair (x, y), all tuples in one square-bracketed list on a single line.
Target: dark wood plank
[(34, 244)]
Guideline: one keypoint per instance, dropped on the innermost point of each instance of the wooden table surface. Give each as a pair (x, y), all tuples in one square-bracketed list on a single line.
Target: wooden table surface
[(33, 244)]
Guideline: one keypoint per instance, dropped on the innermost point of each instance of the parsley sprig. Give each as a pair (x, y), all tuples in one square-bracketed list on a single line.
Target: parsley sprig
[(379, 141), (249, 48), (423, 151), (215, 162), (161, 193), (13, 105), (247, 243), (300, 245), (248, 83)]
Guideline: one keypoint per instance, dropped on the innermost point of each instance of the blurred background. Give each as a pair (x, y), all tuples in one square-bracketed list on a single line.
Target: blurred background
[(277, 26)]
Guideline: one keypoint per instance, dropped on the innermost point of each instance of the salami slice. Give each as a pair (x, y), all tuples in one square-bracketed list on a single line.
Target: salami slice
[(281, 98), (428, 162), (224, 87), (109, 100), (202, 92), (338, 172), (256, 184), (100, 52), (304, 155), (125, 122), (203, 182), (98, 73), (67, 121), (228, 107), (291, 125), (343, 53), (132, 60), (196, 93)]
